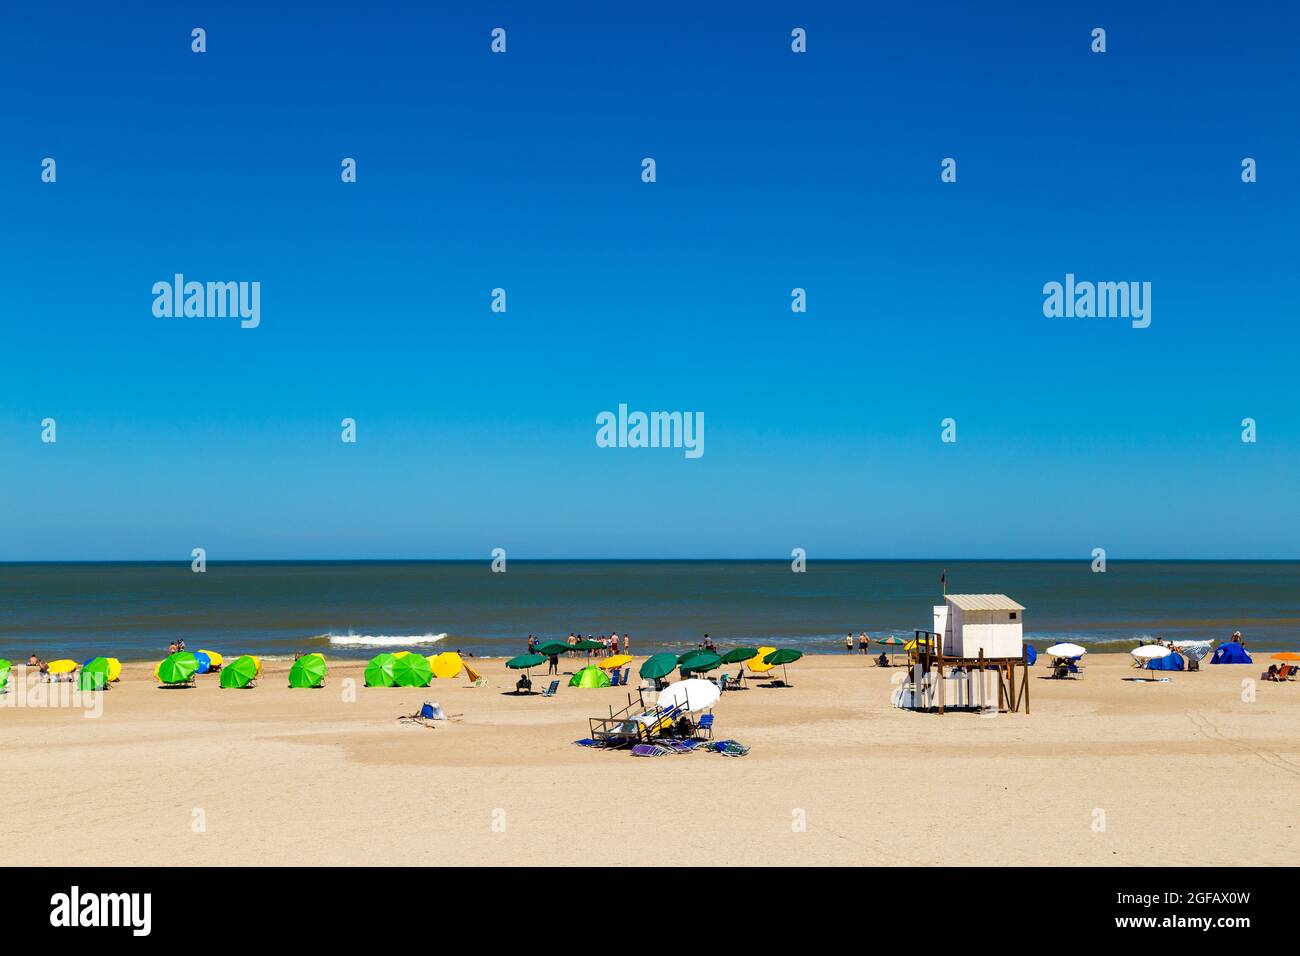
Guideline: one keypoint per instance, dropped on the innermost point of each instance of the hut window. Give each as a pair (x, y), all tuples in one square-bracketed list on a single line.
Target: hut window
[(1013, 615)]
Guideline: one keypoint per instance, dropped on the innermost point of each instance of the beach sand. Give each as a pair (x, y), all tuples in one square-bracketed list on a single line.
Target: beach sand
[(1101, 772)]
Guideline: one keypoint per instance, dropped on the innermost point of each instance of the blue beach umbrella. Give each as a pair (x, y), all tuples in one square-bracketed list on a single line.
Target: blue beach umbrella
[(205, 662)]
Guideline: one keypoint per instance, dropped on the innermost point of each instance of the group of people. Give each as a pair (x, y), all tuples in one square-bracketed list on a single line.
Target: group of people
[(609, 646), (863, 643)]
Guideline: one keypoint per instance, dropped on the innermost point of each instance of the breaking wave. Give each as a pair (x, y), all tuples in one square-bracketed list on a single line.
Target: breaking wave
[(384, 640)]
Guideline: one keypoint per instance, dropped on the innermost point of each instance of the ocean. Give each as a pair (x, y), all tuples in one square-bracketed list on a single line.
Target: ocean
[(356, 609)]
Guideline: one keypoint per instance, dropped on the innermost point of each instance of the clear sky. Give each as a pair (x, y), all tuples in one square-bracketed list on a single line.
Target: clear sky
[(775, 170)]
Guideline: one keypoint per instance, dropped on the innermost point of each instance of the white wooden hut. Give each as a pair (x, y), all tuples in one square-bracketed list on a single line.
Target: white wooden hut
[(971, 623)]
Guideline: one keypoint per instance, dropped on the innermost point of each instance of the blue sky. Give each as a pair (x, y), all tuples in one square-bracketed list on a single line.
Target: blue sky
[(775, 170)]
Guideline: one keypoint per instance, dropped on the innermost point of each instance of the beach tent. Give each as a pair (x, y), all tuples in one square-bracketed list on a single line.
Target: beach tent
[(413, 670), (445, 665), (616, 661), (1170, 662), (1231, 653), (1031, 655), (379, 672), (589, 677), (308, 671), (757, 663), (241, 672)]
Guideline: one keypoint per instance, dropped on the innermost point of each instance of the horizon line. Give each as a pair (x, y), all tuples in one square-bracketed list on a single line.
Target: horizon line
[(590, 560)]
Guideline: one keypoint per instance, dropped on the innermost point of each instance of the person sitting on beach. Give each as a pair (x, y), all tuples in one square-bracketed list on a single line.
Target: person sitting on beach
[(33, 661), (1270, 674), (882, 660), (523, 685)]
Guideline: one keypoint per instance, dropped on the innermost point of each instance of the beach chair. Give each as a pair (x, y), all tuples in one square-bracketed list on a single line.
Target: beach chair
[(649, 750), (552, 690), (704, 726), (728, 748), (1286, 672)]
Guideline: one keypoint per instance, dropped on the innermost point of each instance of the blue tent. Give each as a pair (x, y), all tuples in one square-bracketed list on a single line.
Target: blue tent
[(1174, 662), (1031, 655), (1232, 653)]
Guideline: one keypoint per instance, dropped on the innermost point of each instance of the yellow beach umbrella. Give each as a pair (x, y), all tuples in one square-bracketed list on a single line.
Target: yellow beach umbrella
[(618, 660), (401, 654), (256, 660), (757, 664), (215, 659), (155, 671), (911, 645), (471, 673), (445, 665), (62, 667), (114, 669)]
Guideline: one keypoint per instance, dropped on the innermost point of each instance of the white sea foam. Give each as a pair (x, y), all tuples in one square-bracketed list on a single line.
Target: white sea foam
[(384, 640)]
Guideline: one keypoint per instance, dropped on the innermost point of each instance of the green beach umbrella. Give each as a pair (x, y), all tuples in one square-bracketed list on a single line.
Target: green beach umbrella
[(309, 671), (704, 661), (588, 646), (738, 655), (178, 668), (98, 664), (525, 661), (94, 674), (240, 673), (554, 647), (5, 667), (659, 666), (783, 656), (379, 672), (412, 670), (589, 677)]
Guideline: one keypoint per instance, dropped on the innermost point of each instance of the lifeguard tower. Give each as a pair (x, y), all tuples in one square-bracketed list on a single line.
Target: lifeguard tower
[(977, 641)]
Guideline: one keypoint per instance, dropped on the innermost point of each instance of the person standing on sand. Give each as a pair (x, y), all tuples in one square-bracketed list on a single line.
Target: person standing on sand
[(848, 643), (613, 644), (627, 644), (572, 640), (864, 643), (171, 648), (553, 665)]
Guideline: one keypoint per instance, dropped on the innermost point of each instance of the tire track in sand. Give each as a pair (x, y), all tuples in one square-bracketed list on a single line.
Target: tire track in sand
[(1274, 760)]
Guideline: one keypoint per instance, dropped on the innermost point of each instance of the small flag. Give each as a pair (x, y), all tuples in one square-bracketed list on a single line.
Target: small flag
[(943, 580)]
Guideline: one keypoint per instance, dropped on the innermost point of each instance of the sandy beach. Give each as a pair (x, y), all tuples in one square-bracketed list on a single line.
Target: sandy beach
[(1101, 772)]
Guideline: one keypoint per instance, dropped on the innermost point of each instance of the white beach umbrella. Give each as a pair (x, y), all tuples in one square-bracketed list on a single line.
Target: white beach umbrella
[(1065, 650), (1150, 652), (694, 694)]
